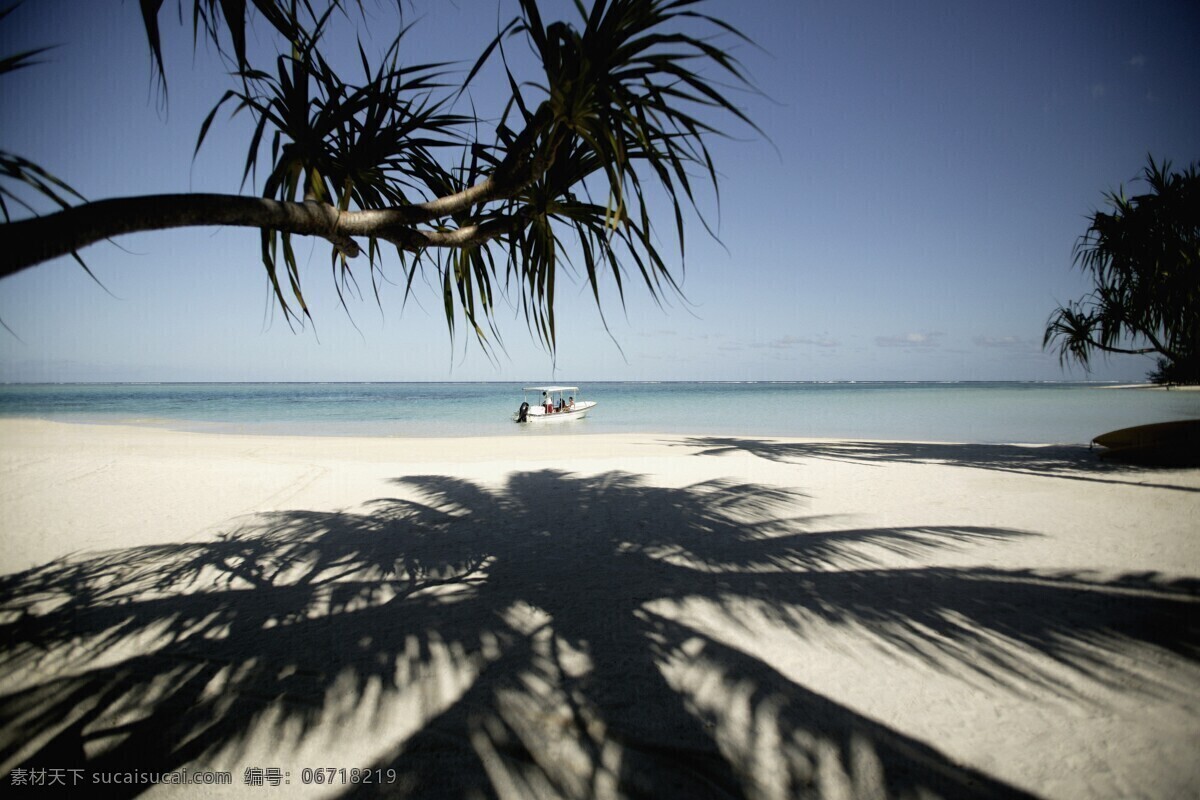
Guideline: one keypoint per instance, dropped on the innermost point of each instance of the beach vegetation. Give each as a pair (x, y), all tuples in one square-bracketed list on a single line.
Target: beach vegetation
[(619, 110), (1143, 257)]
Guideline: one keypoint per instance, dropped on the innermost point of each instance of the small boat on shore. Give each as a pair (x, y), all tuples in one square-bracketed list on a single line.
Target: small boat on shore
[(555, 404), (1161, 444)]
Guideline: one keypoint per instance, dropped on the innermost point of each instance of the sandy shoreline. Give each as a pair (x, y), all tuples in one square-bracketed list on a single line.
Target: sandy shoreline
[(1156, 387), (599, 615)]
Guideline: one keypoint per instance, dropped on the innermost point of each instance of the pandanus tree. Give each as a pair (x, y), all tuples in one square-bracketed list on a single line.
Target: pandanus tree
[(623, 109), (1143, 256)]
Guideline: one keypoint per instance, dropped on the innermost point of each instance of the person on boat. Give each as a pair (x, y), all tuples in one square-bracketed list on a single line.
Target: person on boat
[(562, 404), (571, 403), (547, 403)]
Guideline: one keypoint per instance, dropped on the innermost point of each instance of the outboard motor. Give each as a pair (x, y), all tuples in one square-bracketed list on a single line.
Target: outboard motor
[(523, 413)]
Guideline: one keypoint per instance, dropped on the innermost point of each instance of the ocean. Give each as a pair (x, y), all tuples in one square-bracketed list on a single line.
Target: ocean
[(972, 412)]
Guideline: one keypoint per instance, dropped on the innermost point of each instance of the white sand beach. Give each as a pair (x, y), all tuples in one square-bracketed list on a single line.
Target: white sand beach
[(1152, 386), (574, 615)]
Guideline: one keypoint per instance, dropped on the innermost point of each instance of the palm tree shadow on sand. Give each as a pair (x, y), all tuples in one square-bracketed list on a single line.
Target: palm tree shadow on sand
[(1072, 462), (519, 642)]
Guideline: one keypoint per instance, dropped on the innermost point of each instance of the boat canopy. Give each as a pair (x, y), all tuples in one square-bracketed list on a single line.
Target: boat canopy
[(550, 389)]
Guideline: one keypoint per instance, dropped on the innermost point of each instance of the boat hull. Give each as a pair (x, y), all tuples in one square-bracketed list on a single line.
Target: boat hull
[(537, 416), (1182, 431), (1161, 444)]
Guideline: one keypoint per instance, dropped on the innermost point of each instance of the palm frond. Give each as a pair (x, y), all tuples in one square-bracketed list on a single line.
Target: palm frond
[(42, 182), (622, 103)]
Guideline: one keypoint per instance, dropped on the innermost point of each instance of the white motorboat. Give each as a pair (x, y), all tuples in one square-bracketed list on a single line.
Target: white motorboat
[(552, 404)]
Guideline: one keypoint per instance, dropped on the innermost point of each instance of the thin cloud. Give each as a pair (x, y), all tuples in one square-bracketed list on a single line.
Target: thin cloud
[(1098, 90), (790, 342), (910, 340), (787, 342), (1137, 62), (1004, 342)]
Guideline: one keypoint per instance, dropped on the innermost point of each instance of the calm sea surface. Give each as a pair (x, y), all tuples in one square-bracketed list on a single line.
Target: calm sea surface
[(976, 412)]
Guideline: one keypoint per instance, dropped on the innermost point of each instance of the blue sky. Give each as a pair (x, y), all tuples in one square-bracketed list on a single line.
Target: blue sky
[(911, 217)]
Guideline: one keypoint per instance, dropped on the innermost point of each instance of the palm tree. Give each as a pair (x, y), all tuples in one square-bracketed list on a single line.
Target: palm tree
[(1144, 260), (621, 111)]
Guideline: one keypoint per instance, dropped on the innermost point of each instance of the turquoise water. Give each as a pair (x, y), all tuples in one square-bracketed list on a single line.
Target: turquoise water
[(975, 412)]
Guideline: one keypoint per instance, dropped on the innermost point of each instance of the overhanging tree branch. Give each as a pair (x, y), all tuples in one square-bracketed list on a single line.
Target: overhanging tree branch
[(32, 241), (622, 107), (1139, 351)]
